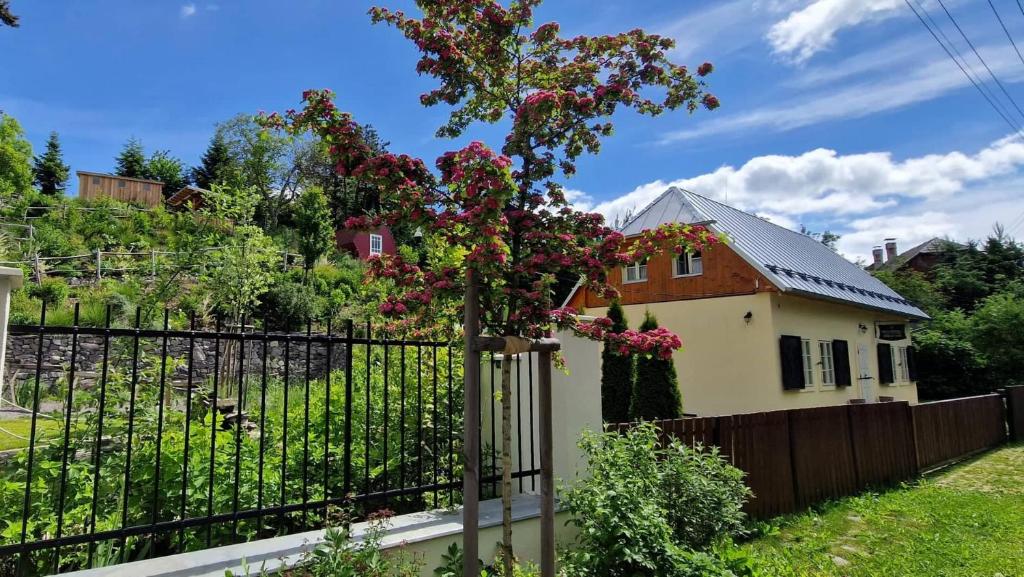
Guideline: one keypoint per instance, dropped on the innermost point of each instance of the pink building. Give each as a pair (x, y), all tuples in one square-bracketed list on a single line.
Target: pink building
[(364, 244)]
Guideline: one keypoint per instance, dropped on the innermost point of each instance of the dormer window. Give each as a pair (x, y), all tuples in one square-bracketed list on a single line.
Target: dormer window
[(689, 264), (636, 272)]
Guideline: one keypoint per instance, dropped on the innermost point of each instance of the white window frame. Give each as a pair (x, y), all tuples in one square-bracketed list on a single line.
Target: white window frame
[(376, 244), (807, 356), (694, 264), (902, 374), (639, 271), (828, 365)]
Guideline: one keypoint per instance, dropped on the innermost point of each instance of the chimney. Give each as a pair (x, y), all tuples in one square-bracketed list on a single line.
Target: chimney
[(876, 253), (890, 249)]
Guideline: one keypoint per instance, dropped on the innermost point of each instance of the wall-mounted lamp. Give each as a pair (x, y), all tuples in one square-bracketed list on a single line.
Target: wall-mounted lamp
[(863, 328), (747, 317)]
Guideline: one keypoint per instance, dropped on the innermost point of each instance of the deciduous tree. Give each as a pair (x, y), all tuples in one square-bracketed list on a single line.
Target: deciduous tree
[(508, 210), (313, 224), (15, 158), (163, 167)]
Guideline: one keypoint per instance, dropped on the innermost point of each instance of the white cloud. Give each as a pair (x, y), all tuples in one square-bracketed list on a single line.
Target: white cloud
[(865, 197), (188, 10), (918, 82), (811, 29)]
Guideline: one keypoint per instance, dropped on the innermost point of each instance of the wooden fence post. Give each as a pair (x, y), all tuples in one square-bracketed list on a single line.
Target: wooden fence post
[(99, 265)]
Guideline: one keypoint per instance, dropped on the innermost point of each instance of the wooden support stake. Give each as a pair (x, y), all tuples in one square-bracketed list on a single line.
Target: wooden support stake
[(547, 474), (471, 434)]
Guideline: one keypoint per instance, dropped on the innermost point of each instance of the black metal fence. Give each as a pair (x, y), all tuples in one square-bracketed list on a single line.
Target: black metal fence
[(131, 451)]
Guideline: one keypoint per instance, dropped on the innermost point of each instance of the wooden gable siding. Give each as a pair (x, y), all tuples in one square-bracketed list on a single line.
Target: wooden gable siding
[(725, 274), (134, 190)]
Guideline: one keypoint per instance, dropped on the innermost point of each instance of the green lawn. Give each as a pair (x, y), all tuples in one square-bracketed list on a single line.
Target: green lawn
[(14, 433), (965, 522)]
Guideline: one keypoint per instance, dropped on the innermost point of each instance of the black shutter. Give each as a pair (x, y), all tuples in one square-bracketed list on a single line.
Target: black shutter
[(884, 364), (911, 364), (841, 357), (792, 362)]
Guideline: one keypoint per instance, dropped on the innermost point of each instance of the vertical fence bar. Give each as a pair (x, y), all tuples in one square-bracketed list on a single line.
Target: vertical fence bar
[(68, 405), (349, 333), (401, 420), (131, 430), (160, 425), (213, 430), (25, 558), (419, 415), (327, 417), (451, 430), (547, 479), (284, 426), (188, 428), (387, 417), (519, 417), (305, 426), (238, 429), (471, 435), (263, 431), (433, 421), (97, 453), (366, 424), (533, 451)]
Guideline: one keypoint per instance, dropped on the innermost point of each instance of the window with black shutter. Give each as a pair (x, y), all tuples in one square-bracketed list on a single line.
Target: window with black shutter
[(791, 352), (911, 364), (841, 358), (884, 364)]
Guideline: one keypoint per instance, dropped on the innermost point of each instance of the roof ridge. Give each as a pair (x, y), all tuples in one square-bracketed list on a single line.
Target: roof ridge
[(651, 204)]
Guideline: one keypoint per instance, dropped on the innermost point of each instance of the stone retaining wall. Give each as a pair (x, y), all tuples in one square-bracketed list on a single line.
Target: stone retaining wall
[(22, 351)]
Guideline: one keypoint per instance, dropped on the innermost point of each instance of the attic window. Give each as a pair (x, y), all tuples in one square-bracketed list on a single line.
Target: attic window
[(689, 264), (376, 244), (636, 272)]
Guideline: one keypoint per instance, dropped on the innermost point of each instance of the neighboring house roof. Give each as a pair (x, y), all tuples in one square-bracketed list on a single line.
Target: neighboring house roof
[(116, 177), (932, 246), (185, 194), (794, 262)]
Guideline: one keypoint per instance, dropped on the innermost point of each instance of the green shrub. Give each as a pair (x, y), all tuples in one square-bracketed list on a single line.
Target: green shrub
[(339, 556), (705, 495), (651, 511), (52, 291), (287, 306)]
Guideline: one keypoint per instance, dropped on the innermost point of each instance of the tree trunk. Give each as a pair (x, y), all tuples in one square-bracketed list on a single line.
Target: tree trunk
[(506, 464)]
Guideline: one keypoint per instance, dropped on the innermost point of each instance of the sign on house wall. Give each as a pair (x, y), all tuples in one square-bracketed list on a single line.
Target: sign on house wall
[(892, 332)]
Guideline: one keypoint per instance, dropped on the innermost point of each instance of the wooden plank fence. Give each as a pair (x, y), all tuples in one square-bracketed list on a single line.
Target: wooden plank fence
[(799, 457)]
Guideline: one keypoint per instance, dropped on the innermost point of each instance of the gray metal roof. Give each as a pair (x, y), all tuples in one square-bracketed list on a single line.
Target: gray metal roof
[(794, 262)]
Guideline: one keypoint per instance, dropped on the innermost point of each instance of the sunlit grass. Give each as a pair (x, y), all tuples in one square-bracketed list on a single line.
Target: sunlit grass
[(967, 521)]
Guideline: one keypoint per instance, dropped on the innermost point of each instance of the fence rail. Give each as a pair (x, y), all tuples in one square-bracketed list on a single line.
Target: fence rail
[(156, 453), (798, 457)]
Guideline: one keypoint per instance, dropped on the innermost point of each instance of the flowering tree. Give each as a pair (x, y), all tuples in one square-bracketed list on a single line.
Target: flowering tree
[(507, 210)]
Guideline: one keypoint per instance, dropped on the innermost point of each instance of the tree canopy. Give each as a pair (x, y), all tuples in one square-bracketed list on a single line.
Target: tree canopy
[(131, 162), (15, 158), (49, 171)]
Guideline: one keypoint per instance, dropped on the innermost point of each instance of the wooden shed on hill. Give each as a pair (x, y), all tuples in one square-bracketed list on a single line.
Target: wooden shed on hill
[(96, 185)]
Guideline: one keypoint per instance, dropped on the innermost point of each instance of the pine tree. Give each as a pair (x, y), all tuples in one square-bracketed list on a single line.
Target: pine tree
[(656, 388), (50, 172), (132, 160), (216, 164), (5, 14), (616, 373)]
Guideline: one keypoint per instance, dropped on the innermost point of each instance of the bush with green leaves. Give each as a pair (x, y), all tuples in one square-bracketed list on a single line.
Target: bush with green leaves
[(633, 510), (52, 291), (656, 387), (340, 556)]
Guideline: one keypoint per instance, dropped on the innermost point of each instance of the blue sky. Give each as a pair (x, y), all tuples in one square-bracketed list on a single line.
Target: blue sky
[(837, 114)]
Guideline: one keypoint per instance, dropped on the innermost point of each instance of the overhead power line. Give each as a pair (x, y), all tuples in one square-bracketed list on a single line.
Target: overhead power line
[(1006, 30), (980, 59), (977, 84)]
